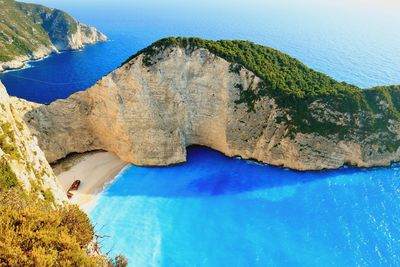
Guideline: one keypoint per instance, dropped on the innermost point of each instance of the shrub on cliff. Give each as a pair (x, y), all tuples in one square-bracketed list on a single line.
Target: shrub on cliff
[(7, 176), (34, 233)]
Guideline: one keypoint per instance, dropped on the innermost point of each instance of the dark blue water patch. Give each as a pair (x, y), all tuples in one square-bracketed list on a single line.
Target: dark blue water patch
[(231, 176), (218, 211), (61, 75)]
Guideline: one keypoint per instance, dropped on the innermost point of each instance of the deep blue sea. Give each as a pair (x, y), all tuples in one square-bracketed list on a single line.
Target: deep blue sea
[(215, 211)]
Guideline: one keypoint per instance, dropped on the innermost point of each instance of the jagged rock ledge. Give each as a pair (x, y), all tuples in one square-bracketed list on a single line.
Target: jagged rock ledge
[(182, 92)]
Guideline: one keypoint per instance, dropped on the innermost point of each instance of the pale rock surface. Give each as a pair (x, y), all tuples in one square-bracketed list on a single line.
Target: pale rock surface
[(149, 115), (27, 160), (20, 61), (84, 35)]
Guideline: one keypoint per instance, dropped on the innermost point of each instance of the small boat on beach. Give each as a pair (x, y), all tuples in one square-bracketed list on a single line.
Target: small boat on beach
[(74, 186)]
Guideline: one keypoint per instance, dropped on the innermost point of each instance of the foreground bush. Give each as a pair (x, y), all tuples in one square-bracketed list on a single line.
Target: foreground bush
[(34, 233)]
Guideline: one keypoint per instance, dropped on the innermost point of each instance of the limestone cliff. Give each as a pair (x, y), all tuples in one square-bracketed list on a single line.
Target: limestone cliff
[(21, 159), (30, 32), (84, 35), (172, 96)]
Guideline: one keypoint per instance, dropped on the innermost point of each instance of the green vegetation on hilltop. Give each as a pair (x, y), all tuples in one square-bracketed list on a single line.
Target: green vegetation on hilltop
[(26, 27), (18, 34), (54, 21), (294, 86), (282, 72)]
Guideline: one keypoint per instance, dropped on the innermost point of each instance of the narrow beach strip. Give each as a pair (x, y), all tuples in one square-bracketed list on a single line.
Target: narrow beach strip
[(95, 171)]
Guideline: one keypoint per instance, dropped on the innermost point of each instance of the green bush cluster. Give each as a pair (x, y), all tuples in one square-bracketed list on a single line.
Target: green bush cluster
[(8, 179), (48, 195), (34, 233), (7, 141)]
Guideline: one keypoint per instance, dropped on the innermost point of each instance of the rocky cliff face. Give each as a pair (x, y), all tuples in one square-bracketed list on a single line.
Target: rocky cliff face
[(20, 156), (149, 113), (30, 32), (64, 31), (84, 35)]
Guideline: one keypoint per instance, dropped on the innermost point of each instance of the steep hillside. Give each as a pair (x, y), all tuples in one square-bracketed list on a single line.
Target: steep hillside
[(237, 97), (22, 163), (37, 226), (30, 31)]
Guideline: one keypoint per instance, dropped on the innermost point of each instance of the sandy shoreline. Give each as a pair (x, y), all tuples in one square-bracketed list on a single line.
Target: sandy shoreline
[(95, 170)]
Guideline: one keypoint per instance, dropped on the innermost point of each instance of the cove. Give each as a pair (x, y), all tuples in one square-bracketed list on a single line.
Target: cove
[(218, 211)]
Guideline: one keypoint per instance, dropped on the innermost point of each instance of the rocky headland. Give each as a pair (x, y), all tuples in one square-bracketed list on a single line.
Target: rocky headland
[(236, 97), (31, 32)]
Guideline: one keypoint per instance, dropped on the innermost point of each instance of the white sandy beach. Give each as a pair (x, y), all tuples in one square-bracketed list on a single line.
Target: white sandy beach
[(94, 170)]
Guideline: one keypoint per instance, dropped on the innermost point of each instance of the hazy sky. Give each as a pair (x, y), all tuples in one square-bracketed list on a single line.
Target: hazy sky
[(388, 5), (369, 10)]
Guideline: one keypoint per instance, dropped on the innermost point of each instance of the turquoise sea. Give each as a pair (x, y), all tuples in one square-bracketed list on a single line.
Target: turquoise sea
[(215, 211)]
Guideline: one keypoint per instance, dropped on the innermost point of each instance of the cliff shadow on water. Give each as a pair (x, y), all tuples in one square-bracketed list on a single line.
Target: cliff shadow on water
[(208, 173)]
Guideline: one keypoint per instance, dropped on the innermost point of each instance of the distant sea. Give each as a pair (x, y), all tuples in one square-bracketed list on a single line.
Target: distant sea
[(353, 43), (215, 211)]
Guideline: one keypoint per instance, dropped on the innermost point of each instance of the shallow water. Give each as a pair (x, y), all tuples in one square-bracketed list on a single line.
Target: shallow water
[(217, 211)]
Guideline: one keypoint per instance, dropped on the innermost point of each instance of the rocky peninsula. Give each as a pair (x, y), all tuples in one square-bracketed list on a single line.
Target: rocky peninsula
[(236, 97), (32, 32)]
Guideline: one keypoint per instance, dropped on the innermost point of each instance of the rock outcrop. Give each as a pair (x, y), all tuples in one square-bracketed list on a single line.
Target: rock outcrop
[(84, 35), (21, 157), (31, 32), (148, 114)]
